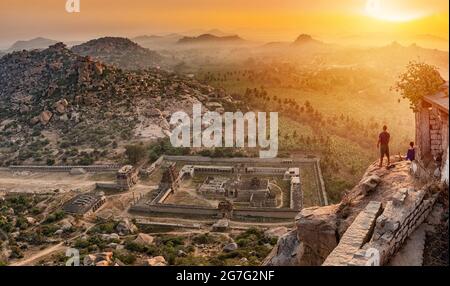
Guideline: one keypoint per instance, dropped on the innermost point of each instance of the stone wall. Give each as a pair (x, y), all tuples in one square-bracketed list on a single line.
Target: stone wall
[(359, 233), (321, 232), (92, 168), (266, 213), (399, 219)]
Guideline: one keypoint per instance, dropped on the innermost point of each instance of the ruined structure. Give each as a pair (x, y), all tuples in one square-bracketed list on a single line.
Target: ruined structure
[(85, 204), (369, 227), (255, 191), (169, 179), (432, 136), (254, 188), (127, 177), (226, 209)]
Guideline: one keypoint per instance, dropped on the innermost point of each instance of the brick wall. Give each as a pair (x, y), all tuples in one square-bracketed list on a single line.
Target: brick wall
[(435, 134)]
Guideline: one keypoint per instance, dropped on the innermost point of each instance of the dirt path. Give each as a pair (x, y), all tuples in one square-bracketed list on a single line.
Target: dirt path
[(50, 250), (40, 254)]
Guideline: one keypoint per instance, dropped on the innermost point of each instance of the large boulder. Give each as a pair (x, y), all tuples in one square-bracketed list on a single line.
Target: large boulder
[(317, 229), (230, 247), (126, 227), (287, 252), (43, 118), (156, 261), (144, 239), (61, 106), (112, 236), (370, 184), (89, 260)]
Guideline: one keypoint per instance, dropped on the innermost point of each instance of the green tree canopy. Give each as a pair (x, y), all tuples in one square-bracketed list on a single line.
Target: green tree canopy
[(419, 79)]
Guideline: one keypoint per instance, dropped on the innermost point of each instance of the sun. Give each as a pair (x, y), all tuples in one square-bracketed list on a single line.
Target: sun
[(379, 10)]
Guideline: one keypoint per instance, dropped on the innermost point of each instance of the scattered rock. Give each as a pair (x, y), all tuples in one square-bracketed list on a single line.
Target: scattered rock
[(89, 260), (61, 106), (156, 261), (144, 239), (59, 232), (400, 196), (221, 225), (45, 117), (113, 245), (370, 184), (285, 252), (65, 224), (126, 227), (31, 220), (230, 247)]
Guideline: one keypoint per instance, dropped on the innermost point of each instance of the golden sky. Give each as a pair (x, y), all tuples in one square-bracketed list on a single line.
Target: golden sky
[(253, 19)]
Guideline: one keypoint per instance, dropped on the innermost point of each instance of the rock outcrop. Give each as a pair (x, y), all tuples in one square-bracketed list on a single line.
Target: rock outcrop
[(120, 52), (156, 261), (86, 103), (126, 227), (144, 239), (341, 234)]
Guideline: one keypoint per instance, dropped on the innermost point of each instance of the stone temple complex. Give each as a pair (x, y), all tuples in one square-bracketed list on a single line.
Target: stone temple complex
[(235, 188)]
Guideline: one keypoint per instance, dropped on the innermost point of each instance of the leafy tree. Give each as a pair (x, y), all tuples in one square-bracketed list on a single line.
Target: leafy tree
[(419, 79), (135, 153)]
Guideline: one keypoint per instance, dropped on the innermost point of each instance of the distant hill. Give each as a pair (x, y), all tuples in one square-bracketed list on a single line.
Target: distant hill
[(120, 52), (157, 42), (211, 39), (214, 32), (37, 43), (305, 39)]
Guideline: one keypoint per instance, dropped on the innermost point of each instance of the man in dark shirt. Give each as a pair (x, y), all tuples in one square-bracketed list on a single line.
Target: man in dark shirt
[(383, 145)]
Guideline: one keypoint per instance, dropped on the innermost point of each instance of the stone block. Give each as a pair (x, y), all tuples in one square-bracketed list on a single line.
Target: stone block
[(399, 197), (370, 184)]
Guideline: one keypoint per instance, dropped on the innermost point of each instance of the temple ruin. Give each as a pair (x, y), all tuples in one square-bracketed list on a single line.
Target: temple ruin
[(237, 188)]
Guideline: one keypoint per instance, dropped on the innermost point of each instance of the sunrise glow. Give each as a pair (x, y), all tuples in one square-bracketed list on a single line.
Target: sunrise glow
[(379, 10)]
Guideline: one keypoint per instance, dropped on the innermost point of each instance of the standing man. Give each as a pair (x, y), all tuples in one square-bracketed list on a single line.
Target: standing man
[(383, 145)]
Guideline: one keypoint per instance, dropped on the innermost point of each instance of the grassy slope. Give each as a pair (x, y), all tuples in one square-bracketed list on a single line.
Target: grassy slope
[(373, 104)]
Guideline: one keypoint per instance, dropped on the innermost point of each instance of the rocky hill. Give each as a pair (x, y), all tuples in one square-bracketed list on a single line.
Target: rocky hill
[(211, 39), (305, 39), (156, 42), (57, 106), (37, 43), (120, 52)]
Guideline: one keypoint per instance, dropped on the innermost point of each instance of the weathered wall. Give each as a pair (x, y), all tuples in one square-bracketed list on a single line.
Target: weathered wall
[(359, 233), (400, 217), (320, 230), (92, 168), (273, 213)]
